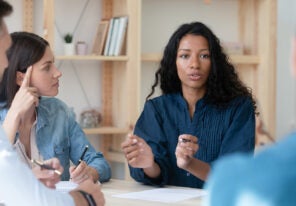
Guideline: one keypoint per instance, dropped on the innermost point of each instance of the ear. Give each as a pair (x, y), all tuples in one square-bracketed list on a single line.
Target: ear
[(19, 78)]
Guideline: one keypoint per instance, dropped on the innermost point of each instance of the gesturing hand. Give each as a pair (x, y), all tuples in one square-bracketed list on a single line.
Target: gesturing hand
[(48, 177), (27, 96), (24, 100), (137, 152), (186, 148)]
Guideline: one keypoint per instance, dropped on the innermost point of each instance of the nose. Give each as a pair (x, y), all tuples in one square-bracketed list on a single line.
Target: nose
[(194, 62), (57, 72)]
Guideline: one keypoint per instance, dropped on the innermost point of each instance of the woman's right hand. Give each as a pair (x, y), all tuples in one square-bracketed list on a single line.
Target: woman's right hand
[(26, 98), (137, 152)]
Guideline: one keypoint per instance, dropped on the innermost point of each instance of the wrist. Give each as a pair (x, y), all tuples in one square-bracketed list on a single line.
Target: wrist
[(88, 197), (78, 198), (153, 171), (10, 125), (94, 174)]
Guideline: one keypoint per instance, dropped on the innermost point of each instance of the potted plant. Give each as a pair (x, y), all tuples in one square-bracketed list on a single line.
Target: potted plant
[(69, 46)]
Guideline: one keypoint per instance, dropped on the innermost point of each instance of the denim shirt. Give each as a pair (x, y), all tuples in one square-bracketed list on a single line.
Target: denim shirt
[(59, 135)]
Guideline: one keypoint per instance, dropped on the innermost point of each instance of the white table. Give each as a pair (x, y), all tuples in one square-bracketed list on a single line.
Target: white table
[(115, 187)]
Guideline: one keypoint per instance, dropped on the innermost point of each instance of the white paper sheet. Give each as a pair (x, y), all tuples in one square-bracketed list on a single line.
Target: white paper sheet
[(166, 195), (65, 186)]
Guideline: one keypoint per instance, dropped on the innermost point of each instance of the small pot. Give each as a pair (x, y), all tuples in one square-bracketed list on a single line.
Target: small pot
[(69, 49), (81, 48)]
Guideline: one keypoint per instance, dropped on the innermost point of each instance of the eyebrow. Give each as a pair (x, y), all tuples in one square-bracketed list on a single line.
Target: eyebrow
[(48, 62), (190, 49)]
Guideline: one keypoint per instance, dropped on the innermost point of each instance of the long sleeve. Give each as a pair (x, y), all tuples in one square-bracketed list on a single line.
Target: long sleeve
[(240, 135), (59, 135), (91, 157), (150, 127), (220, 130), (30, 192)]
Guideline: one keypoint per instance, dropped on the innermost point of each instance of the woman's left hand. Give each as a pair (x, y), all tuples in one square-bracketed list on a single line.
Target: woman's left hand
[(82, 172), (186, 148)]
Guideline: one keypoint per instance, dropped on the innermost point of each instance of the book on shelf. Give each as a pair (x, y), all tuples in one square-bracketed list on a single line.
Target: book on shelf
[(108, 40), (121, 35), (116, 36), (100, 38)]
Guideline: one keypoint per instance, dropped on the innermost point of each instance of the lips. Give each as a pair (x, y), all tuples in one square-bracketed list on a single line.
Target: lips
[(195, 76), (56, 84)]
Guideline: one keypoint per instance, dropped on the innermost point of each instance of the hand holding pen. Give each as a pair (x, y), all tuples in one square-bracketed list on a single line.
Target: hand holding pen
[(83, 153), (82, 171), (186, 149), (48, 172)]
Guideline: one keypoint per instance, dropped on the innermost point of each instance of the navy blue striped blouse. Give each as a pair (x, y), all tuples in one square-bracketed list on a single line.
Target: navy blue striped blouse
[(220, 131)]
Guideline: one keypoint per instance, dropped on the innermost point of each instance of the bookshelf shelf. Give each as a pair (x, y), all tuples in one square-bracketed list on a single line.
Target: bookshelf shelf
[(106, 130), (116, 157), (236, 59), (245, 59), (93, 57)]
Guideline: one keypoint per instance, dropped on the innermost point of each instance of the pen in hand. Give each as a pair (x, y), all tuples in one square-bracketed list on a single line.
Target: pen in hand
[(83, 153), (79, 161), (44, 166)]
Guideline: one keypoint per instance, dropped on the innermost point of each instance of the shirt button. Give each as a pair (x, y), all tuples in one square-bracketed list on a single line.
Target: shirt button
[(188, 174)]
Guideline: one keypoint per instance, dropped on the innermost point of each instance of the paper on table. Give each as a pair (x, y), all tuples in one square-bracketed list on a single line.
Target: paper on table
[(167, 195), (65, 186)]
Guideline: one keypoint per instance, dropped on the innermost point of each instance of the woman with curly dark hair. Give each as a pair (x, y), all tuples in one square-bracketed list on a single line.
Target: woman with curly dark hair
[(205, 112)]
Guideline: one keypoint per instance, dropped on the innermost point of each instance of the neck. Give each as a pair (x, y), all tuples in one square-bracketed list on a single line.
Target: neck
[(191, 97)]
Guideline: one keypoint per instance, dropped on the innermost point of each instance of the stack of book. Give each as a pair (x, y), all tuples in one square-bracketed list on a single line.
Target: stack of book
[(110, 36)]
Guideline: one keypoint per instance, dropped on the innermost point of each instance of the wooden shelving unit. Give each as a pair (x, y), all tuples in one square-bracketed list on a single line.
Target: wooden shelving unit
[(106, 130)]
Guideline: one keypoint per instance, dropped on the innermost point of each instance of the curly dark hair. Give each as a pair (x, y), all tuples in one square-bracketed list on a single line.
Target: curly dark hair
[(223, 84)]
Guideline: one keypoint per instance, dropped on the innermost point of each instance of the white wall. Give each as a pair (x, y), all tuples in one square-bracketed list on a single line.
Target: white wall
[(286, 88)]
